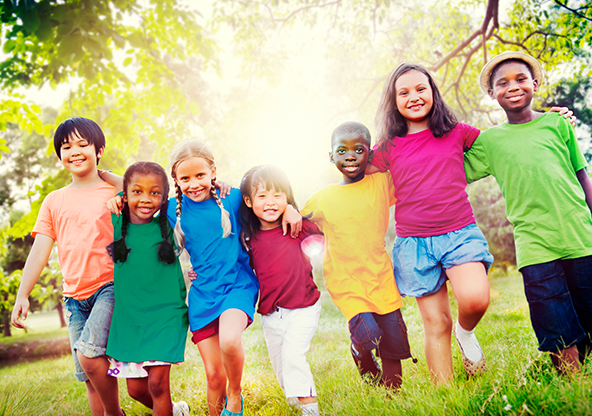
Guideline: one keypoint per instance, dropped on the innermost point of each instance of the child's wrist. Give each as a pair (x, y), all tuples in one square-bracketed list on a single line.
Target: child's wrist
[(102, 172)]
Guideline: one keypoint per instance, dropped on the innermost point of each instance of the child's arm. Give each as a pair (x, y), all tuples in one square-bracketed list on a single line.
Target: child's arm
[(36, 261), (112, 179), (567, 113), (586, 185), (292, 217)]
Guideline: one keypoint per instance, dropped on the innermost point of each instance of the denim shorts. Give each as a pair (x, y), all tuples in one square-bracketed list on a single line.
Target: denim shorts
[(388, 333), (89, 321), (559, 295), (420, 263)]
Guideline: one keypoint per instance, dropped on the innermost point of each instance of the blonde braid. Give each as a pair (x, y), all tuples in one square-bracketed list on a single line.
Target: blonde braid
[(226, 224), (179, 234)]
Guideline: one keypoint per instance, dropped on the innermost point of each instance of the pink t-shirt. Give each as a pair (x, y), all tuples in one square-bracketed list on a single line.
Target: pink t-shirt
[(429, 178), (78, 220)]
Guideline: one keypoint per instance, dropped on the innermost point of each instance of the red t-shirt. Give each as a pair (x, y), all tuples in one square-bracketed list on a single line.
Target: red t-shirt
[(284, 272), (429, 177)]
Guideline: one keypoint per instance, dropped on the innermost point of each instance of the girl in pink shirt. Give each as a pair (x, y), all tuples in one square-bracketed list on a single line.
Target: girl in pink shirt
[(422, 144)]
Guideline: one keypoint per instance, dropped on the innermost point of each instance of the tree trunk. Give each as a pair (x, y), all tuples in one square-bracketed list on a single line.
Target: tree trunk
[(60, 308), (6, 324)]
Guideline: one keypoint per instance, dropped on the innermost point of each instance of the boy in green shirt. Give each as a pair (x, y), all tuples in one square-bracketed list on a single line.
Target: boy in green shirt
[(536, 160)]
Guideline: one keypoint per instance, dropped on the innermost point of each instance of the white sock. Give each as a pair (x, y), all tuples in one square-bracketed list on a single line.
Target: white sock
[(469, 343), (310, 409)]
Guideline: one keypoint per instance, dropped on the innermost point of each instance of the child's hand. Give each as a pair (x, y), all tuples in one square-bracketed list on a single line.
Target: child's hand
[(191, 274), (223, 187), (565, 112), (21, 308), (115, 205), (292, 217)]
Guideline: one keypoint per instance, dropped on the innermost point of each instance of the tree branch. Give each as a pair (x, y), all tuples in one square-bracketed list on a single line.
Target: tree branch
[(574, 11)]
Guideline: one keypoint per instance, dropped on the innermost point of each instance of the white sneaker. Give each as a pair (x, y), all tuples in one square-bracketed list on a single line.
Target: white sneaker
[(180, 409)]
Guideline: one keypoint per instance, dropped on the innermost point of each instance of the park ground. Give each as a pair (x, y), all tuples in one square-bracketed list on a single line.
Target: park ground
[(519, 379)]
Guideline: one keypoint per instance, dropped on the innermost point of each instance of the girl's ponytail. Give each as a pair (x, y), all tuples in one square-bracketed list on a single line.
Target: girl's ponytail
[(120, 249), (178, 232), (225, 220), (166, 251)]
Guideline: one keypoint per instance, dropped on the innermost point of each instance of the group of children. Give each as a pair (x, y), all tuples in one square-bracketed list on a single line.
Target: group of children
[(240, 252)]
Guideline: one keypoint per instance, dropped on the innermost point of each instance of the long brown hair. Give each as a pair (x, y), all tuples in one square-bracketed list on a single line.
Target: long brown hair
[(389, 121)]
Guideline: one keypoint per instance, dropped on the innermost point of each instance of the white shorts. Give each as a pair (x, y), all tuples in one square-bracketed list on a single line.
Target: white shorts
[(288, 333)]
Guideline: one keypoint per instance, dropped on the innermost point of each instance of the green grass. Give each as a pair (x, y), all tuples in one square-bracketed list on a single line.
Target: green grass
[(519, 380), (40, 326)]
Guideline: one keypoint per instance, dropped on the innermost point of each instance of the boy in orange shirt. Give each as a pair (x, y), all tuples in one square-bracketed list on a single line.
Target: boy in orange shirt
[(76, 217)]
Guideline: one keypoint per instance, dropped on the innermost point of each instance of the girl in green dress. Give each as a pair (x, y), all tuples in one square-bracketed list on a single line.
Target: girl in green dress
[(149, 325)]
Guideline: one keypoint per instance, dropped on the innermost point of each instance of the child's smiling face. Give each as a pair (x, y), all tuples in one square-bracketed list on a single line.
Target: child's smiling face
[(351, 154), (512, 86), (268, 205), (79, 156), (414, 96), (144, 197), (194, 176)]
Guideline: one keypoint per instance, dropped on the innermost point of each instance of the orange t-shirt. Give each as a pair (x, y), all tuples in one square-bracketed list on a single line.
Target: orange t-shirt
[(78, 220)]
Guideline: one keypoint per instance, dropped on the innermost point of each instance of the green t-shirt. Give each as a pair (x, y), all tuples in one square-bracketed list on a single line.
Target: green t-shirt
[(150, 314), (535, 165)]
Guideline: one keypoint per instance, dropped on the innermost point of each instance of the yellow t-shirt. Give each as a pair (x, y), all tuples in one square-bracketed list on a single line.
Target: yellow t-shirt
[(79, 221), (357, 269)]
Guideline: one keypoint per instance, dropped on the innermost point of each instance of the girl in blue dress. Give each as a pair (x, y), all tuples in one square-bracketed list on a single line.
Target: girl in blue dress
[(223, 296)]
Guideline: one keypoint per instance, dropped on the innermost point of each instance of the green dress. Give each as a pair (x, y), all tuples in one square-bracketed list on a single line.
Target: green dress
[(150, 314)]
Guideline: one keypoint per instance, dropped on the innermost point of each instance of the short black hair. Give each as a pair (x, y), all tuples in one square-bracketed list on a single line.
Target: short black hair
[(499, 65), (83, 127), (352, 127)]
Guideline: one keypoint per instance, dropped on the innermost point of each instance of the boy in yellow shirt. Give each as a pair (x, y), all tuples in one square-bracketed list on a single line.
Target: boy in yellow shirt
[(354, 217)]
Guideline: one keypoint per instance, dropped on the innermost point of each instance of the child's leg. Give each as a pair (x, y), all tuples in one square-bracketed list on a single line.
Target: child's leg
[(437, 322), (471, 289), (211, 355), (232, 324), (273, 330), (104, 385), (552, 313), (365, 335), (566, 361), (160, 389), (579, 280), (392, 373), (94, 401), (138, 390)]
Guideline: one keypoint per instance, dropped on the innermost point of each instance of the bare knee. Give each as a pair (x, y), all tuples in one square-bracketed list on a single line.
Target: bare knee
[(231, 345), (216, 378), (438, 325), (136, 392)]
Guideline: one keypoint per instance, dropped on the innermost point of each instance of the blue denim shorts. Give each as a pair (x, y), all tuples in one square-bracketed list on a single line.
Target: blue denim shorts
[(420, 263), (388, 333), (559, 295), (89, 321)]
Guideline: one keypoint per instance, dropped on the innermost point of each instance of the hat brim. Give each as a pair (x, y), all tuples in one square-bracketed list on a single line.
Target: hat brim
[(537, 70)]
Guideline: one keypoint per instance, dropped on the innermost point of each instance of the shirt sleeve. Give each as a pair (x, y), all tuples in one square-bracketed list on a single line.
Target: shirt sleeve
[(476, 162), (310, 210), (44, 224), (469, 134), (576, 156), (380, 156)]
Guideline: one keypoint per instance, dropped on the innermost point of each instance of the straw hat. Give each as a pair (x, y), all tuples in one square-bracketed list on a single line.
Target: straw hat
[(537, 71)]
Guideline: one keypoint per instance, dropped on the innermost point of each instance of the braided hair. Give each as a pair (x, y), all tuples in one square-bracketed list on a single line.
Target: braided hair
[(186, 150), (165, 251), (266, 176)]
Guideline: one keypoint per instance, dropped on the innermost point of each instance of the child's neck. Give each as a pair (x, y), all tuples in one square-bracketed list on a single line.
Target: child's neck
[(523, 116), (85, 181), (417, 126)]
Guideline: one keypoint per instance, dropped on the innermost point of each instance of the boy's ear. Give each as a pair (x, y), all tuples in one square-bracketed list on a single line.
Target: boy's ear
[(247, 201), (535, 85), (101, 152), (331, 157), (490, 91), (370, 155)]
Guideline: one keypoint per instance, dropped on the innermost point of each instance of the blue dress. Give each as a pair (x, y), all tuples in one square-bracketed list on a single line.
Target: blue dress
[(224, 278)]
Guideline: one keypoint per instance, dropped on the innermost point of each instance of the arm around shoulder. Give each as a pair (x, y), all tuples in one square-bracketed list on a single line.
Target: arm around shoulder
[(35, 264)]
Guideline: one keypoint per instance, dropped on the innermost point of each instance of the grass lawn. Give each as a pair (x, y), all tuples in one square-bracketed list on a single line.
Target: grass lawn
[(519, 379)]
